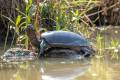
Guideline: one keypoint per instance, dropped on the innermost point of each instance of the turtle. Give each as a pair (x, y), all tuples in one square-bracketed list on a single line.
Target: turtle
[(61, 41)]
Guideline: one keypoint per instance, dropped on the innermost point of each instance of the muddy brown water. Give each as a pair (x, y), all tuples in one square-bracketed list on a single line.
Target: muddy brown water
[(62, 69)]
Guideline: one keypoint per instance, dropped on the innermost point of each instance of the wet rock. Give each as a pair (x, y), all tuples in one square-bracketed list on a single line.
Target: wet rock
[(18, 54)]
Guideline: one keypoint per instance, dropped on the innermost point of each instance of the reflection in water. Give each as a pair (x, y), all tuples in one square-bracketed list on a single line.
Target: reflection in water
[(62, 69), (20, 71), (102, 69), (48, 69)]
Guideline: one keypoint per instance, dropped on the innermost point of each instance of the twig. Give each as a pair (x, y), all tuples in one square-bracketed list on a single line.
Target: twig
[(103, 9)]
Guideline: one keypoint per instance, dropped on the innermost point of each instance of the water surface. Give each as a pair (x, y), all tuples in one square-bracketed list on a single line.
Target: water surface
[(64, 69)]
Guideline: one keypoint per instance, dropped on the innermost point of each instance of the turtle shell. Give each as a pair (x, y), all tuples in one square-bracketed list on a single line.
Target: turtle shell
[(64, 38)]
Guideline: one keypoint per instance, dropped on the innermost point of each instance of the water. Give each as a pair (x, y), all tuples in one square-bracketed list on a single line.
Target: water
[(62, 69)]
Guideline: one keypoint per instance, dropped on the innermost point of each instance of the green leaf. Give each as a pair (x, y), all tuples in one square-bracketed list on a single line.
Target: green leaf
[(58, 27), (28, 6), (18, 20), (66, 1), (77, 13), (27, 9), (30, 2), (28, 19)]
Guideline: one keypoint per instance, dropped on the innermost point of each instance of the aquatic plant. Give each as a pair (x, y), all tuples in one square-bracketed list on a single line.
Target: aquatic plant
[(59, 15), (100, 43), (113, 46), (23, 20)]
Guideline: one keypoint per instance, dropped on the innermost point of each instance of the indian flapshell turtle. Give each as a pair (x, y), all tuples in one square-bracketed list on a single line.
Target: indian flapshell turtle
[(58, 40)]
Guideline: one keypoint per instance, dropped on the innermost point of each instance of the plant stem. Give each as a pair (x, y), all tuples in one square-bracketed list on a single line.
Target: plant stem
[(37, 18)]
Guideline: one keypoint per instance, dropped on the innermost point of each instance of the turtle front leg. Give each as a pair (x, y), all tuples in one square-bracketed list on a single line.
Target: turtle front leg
[(43, 47)]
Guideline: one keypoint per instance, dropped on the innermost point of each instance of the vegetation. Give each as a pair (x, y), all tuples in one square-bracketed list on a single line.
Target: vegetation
[(56, 15), (88, 17)]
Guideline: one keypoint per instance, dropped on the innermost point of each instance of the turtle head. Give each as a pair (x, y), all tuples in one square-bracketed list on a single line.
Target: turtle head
[(31, 27), (32, 36)]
